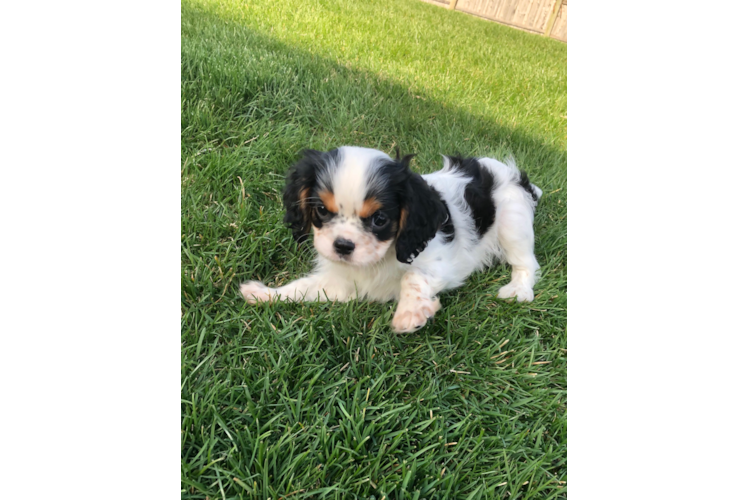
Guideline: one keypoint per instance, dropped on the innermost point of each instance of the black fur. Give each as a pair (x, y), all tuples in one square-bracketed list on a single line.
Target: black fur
[(386, 232), (448, 228), (397, 188), (387, 188), (304, 177), (524, 182), (477, 192), (425, 213)]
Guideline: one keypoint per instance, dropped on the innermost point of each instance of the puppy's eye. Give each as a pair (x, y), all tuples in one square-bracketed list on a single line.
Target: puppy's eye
[(379, 220), (322, 211)]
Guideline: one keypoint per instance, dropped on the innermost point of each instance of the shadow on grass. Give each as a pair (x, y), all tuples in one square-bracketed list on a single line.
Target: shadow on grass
[(251, 76)]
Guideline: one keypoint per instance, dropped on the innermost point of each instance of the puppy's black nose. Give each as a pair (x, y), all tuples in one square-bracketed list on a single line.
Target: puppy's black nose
[(343, 246)]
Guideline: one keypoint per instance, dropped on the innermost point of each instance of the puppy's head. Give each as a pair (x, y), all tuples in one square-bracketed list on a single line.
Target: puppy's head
[(358, 202)]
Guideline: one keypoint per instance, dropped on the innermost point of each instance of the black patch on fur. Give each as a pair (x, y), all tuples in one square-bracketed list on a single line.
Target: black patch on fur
[(447, 228), (426, 215), (524, 182), (397, 188), (390, 191), (385, 186), (303, 178), (318, 219), (477, 192), (389, 230)]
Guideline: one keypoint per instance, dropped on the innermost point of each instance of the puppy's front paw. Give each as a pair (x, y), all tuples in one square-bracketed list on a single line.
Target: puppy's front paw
[(254, 291), (522, 292), (412, 315)]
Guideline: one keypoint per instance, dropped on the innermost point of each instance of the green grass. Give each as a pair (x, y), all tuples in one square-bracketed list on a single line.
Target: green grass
[(322, 400)]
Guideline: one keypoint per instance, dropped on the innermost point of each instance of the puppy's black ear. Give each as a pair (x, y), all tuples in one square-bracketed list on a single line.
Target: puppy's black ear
[(421, 215), (300, 181)]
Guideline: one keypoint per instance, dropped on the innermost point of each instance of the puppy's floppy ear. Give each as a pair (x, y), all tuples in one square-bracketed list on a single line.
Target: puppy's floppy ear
[(421, 214), (300, 181)]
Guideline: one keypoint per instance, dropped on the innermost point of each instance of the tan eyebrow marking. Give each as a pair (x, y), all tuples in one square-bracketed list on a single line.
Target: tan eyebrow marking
[(328, 199), (370, 206), (303, 195)]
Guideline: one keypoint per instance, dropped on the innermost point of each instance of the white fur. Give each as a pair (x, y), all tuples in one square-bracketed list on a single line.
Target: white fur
[(441, 266)]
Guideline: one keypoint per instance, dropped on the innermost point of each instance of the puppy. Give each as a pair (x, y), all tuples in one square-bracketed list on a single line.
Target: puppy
[(383, 232)]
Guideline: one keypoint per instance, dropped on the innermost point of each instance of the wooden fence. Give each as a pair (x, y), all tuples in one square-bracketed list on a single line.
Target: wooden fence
[(546, 17)]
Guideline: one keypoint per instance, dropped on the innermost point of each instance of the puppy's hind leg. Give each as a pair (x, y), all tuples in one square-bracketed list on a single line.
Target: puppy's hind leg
[(517, 242), (309, 289)]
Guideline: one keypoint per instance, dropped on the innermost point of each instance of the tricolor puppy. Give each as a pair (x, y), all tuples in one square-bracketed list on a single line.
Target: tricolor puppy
[(383, 232)]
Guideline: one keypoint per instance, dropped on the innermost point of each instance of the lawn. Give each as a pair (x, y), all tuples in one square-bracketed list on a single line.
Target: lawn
[(323, 400)]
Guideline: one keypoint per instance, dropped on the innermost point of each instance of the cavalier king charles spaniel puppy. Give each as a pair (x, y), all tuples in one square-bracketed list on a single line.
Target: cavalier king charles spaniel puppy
[(383, 232)]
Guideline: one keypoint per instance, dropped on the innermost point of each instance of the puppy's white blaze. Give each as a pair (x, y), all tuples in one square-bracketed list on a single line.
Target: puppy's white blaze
[(349, 183)]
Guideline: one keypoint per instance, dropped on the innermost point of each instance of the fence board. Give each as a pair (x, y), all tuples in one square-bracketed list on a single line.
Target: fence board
[(530, 15), (559, 27)]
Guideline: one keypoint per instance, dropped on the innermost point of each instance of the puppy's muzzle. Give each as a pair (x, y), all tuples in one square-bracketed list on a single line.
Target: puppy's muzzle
[(343, 246)]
